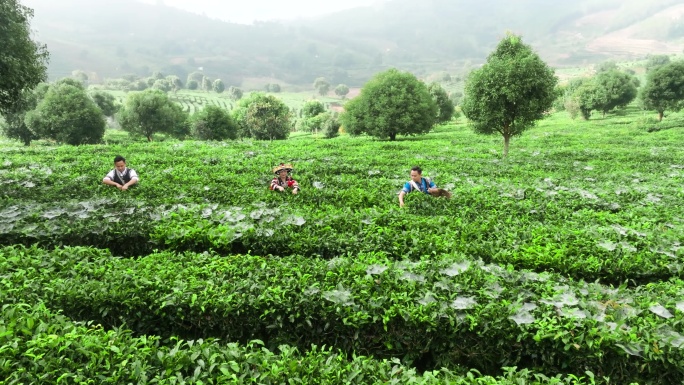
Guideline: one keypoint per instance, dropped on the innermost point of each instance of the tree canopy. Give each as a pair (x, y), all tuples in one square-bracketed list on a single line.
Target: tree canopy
[(67, 115), (445, 107), (23, 62), (392, 103), (510, 92), (664, 89), (213, 123), (262, 117), (151, 111)]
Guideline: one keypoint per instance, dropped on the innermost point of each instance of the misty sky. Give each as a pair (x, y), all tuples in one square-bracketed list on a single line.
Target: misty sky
[(247, 11)]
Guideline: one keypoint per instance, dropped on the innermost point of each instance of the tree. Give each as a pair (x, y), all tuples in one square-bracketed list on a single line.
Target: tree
[(192, 85), (262, 117), (14, 126), (235, 93), (312, 108), (607, 66), (445, 107), (106, 102), (341, 90), (196, 76), (656, 61), (392, 103), (664, 89), (206, 84), (617, 88), (330, 125), (81, 76), (175, 81), (322, 86), (67, 115), (23, 62), (218, 86), (510, 92), (213, 123), (148, 112), (162, 85)]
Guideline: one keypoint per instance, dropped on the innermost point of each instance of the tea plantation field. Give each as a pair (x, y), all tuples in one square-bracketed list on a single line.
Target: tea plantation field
[(561, 264)]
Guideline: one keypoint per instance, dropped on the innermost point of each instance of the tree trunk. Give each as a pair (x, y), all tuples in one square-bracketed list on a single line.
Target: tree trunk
[(660, 115), (149, 138), (507, 141), (393, 136)]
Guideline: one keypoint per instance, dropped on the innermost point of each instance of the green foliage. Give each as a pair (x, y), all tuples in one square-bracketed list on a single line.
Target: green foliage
[(206, 84), (213, 123), (331, 125), (392, 103), (321, 85), (148, 112), (14, 125), (23, 61), (235, 93), (312, 108), (510, 92), (81, 76), (67, 115), (664, 89), (272, 87), (607, 66), (162, 85), (262, 117), (445, 107), (341, 90), (218, 86), (175, 82), (106, 102), (192, 85), (615, 89), (656, 61)]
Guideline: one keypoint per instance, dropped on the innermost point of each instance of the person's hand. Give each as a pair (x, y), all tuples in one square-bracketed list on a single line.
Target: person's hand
[(120, 187), (295, 191), (281, 188), (432, 190), (124, 188), (401, 204)]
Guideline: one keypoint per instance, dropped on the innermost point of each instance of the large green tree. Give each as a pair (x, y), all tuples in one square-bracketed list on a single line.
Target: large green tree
[(664, 89), (106, 102), (445, 107), (151, 111), (14, 125), (617, 88), (67, 115), (392, 103), (322, 86), (262, 117), (22, 61), (510, 92), (213, 123)]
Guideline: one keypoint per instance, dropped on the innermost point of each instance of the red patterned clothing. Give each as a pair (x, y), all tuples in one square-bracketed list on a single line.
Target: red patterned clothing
[(288, 182)]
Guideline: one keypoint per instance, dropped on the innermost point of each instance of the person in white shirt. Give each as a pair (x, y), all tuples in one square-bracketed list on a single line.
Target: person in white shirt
[(121, 176)]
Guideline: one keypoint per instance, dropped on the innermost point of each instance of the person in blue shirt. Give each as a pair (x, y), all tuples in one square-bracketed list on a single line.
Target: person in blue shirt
[(417, 183)]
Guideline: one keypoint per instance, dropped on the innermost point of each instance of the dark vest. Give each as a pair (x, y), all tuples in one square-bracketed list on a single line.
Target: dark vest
[(126, 177)]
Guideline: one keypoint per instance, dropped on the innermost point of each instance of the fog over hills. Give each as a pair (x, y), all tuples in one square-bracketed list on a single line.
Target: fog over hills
[(109, 38)]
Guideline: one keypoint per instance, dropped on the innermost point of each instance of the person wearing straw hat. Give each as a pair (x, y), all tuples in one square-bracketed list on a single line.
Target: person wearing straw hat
[(283, 179)]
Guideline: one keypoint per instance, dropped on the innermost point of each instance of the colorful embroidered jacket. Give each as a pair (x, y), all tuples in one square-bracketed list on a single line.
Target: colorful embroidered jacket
[(288, 182)]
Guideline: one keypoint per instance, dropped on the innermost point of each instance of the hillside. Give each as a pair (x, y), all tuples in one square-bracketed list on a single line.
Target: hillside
[(126, 36)]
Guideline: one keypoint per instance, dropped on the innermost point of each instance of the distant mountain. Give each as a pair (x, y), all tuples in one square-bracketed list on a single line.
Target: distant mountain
[(125, 36)]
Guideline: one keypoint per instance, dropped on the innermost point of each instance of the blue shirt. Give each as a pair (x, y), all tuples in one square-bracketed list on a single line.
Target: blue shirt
[(424, 184)]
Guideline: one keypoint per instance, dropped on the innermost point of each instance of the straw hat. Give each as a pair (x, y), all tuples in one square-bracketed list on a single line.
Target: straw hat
[(282, 166)]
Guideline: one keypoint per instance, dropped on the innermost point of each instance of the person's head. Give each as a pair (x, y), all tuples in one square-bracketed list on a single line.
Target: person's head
[(416, 174), (282, 170), (120, 163)]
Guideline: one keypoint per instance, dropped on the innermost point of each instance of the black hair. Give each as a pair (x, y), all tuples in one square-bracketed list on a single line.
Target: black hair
[(417, 169), (119, 158)]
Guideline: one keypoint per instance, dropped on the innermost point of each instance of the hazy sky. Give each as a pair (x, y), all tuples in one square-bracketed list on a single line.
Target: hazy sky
[(246, 11)]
